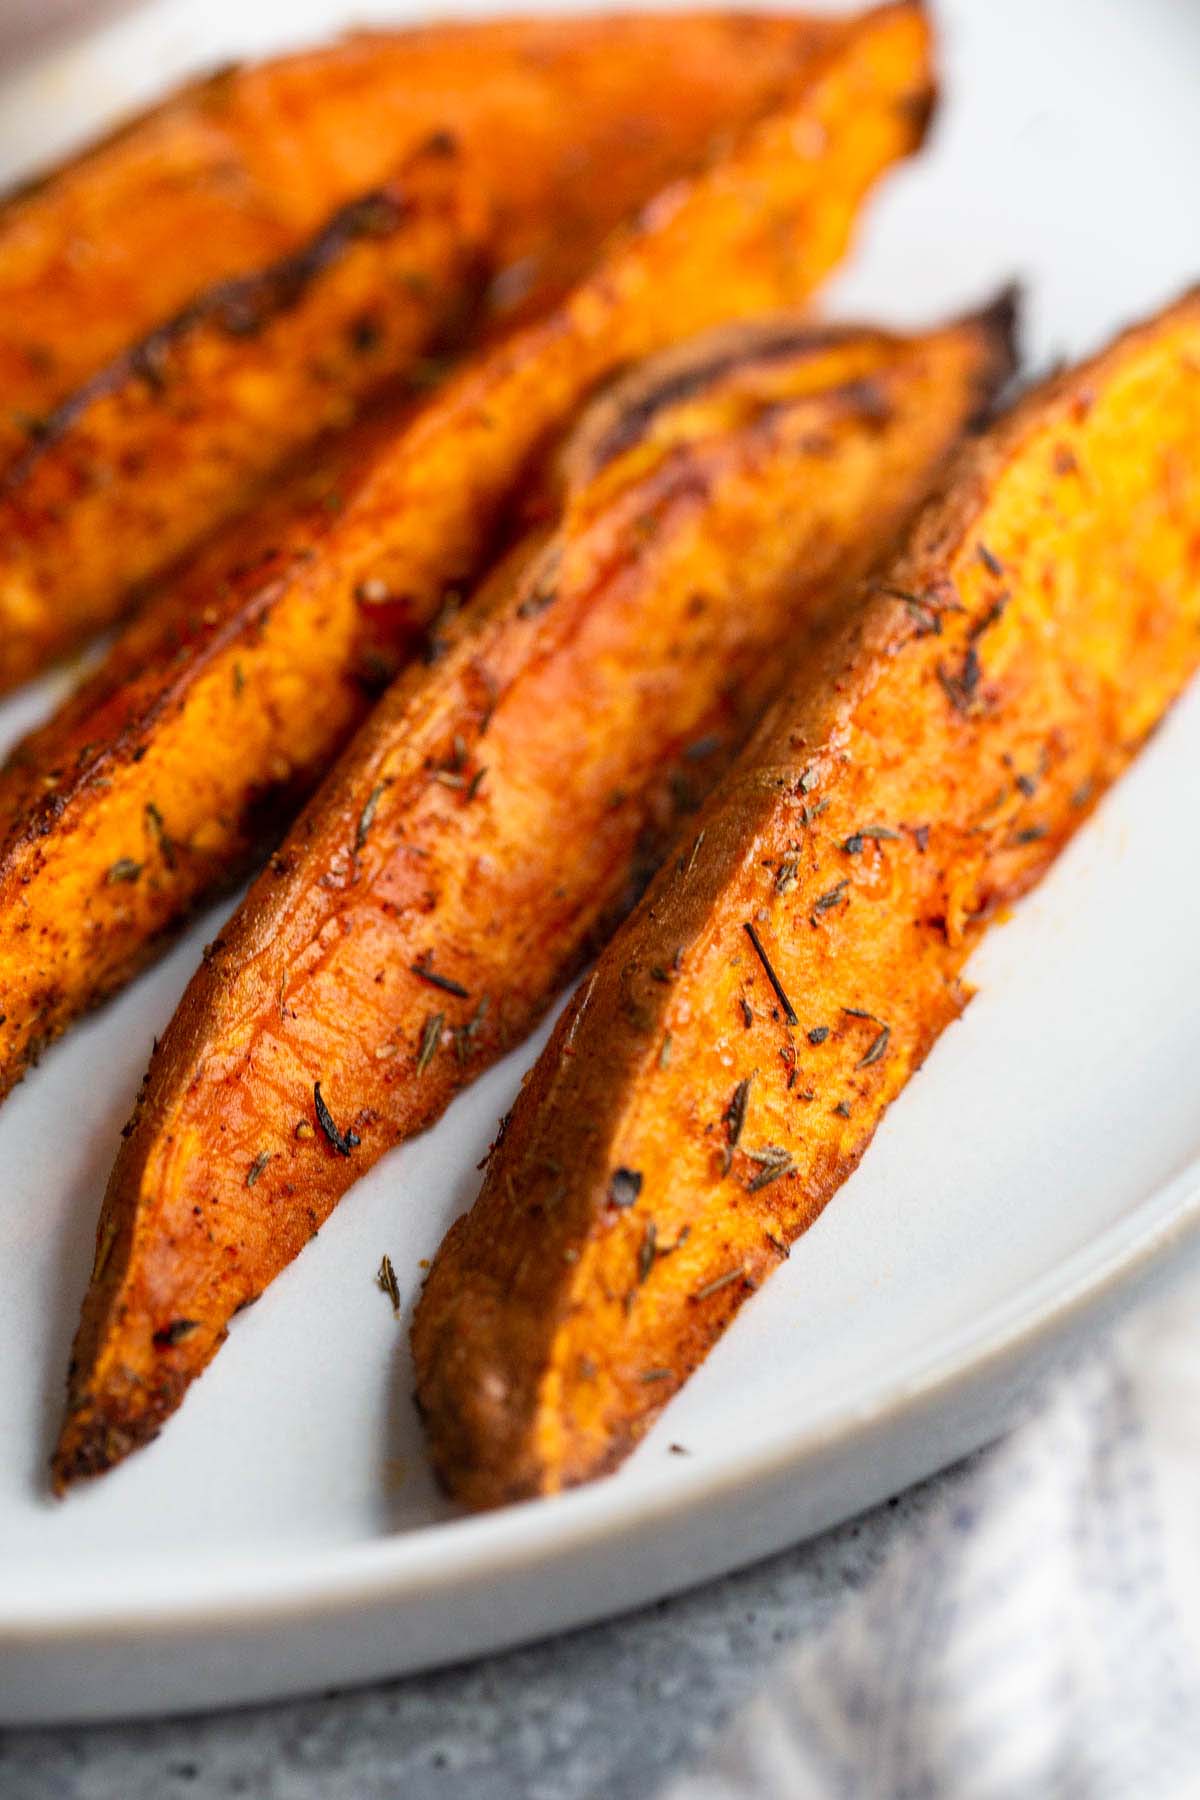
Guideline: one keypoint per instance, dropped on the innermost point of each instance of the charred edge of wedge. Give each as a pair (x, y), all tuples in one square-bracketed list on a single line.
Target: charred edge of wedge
[(240, 308)]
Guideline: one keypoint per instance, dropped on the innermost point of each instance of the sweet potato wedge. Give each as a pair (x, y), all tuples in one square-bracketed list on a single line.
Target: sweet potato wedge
[(499, 809), (149, 448), (725, 1066), (566, 125), (182, 432), (232, 694)]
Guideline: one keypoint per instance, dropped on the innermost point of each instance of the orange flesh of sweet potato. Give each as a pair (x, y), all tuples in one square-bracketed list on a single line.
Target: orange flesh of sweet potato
[(488, 822), (566, 126), (922, 771), (183, 432), (233, 693)]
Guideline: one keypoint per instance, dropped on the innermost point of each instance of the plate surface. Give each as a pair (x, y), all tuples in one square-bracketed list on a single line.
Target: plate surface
[(284, 1533)]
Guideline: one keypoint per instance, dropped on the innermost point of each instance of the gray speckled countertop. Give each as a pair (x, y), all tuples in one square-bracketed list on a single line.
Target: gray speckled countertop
[(610, 1711)]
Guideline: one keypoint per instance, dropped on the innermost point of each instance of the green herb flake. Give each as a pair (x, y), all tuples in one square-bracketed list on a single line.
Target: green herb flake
[(257, 1166), (124, 869)]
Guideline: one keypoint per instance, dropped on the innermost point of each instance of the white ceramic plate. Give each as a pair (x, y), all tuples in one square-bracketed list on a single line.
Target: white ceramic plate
[(284, 1533)]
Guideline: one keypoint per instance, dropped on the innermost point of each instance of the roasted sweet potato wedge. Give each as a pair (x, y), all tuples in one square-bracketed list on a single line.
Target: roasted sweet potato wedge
[(181, 432), (725, 1066), (123, 452), (566, 126), (499, 809), (233, 693)]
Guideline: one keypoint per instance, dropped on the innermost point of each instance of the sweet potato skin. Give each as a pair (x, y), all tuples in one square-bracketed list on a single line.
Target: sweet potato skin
[(424, 911), (182, 432), (233, 693), (566, 125), (921, 773)]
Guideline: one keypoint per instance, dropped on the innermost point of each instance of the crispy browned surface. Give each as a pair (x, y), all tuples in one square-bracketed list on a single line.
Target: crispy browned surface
[(924, 770), (181, 433), (495, 812), (566, 125), (235, 691)]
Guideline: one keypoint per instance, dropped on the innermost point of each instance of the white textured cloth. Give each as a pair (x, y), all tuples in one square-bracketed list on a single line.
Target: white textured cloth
[(1038, 1636)]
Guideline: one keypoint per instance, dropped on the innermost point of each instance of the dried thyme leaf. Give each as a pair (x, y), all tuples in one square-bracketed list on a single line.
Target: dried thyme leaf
[(124, 869), (385, 1279), (425, 973), (877, 1048), (876, 833), (734, 1116), (719, 1281), (257, 1166), (647, 1251), (158, 832), (464, 1037), (343, 1142), (824, 901), (367, 816), (960, 689), (431, 1037), (789, 1011)]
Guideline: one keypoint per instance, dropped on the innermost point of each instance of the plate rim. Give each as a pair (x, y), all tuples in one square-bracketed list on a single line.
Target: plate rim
[(431, 1560)]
